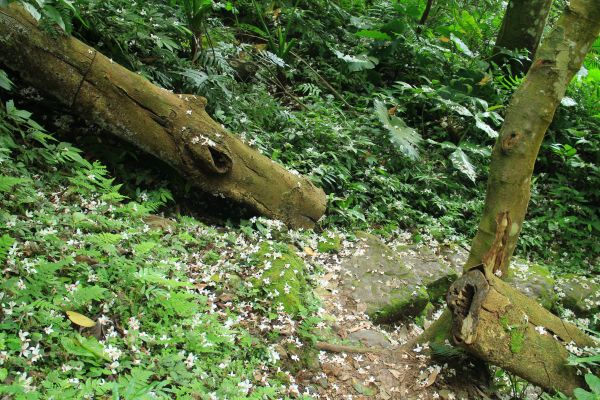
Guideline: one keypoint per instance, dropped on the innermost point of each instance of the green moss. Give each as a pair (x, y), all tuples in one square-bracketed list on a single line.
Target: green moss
[(517, 338), (403, 305), (285, 278), (330, 244), (516, 332), (425, 314)]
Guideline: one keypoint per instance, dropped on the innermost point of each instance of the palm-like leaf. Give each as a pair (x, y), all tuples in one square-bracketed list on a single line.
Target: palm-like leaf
[(405, 138)]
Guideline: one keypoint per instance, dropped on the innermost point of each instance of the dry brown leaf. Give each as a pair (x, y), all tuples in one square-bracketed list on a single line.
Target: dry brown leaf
[(432, 377), (397, 374), (309, 251)]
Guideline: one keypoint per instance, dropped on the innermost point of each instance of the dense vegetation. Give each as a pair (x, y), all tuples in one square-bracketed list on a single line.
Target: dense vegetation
[(392, 118)]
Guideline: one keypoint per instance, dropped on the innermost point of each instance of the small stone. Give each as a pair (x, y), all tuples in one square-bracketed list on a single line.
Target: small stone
[(370, 338), (363, 389), (323, 382)]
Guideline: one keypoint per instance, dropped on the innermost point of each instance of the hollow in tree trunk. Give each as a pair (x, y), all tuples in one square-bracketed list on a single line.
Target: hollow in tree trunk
[(485, 310), (172, 127)]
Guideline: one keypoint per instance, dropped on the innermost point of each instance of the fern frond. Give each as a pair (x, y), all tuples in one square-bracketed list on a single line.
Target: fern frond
[(8, 182), (446, 351), (6, 243)]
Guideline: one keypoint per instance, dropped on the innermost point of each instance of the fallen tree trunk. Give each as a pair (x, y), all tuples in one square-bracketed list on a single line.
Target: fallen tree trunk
[(497, 323), (174, 128)]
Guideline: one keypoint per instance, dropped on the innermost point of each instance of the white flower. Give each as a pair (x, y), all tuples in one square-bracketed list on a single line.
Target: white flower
[(190, 360), (541, 330), (113, 352), (134, 324), (48, 330), (245, 386)]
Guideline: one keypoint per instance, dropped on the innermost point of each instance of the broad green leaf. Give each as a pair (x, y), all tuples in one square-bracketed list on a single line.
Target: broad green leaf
[(593, 382), (460, 45), (461, 162), (491, 132), (357, 63), (377, 35), (568, 102), (5, 83), (32, 10), (89, 348), (581, 394), (54, 16), (405, 138)]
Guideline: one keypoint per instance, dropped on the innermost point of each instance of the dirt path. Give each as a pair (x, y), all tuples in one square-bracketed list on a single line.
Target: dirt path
[(393, 372)]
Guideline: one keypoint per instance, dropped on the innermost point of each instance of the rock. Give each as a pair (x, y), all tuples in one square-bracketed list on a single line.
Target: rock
[(158, 222), (579, 294), (370, 390), (386, 378), (370, 338), (534, 281), (322, 382), (283, 277), (377, 277), (455, 255), (436, 274)]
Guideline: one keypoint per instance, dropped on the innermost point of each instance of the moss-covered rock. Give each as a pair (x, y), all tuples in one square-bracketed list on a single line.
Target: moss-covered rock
[(436, 274), (283, 276), (579, 293), (377, 278), (535, 281)]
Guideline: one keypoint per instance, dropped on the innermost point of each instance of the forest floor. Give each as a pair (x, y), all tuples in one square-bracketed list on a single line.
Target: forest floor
[(382, 363)]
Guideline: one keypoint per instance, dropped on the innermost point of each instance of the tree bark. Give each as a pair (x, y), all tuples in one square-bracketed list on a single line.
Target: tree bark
[(483, 307), (528, 116), (522, 28), (497, 323), (174, 128)]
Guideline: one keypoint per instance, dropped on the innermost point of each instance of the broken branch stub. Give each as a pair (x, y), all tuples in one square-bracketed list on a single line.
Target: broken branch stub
[(498, 324), (174, 128)]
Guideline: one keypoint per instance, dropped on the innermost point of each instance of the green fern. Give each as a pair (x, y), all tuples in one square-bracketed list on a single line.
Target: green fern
[(6, 243), (8, 182), (446, 351)]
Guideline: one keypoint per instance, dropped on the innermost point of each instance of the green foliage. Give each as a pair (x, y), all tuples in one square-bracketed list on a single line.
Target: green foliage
[(411, 152), (403, 137), (593, 382), (70, 242)]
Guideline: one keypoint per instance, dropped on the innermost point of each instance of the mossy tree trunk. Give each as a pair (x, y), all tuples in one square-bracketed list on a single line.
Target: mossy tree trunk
[(497, 323), (528, 116), (522, 28), (174, 128), (490, 319)]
